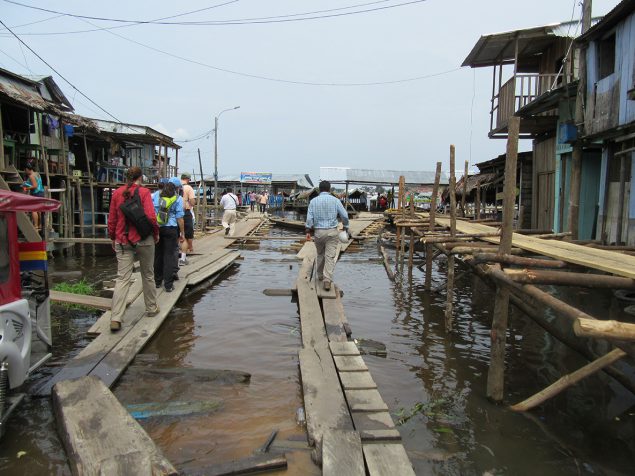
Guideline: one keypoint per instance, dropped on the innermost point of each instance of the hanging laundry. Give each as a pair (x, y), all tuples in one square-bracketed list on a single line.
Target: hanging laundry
[(69, 130)]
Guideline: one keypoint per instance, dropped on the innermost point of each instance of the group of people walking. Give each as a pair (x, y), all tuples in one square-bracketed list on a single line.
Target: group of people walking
[(261, 200), (157, 229)]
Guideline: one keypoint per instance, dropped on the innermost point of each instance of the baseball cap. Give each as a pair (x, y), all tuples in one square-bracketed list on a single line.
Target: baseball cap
[(175, 181), (185, 175)]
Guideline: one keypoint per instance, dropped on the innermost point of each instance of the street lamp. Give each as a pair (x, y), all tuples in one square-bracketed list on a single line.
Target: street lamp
[(216, 152)]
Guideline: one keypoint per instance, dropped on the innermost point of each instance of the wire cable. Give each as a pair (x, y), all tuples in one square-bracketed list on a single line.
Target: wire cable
[(273, 79), (58, 73), (244, 21)]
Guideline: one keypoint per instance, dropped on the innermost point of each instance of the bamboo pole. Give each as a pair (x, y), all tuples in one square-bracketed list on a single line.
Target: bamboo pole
[(449, 305), (47, 217), (411, 248), (516, 260), (477, 202), (433, 211), (80, 205), (563, 278), (442, 239), (402, 242), (569, 380), (604, 329), (391, 274), (202, 218), (463, 198), (496, 374), (90, 185)]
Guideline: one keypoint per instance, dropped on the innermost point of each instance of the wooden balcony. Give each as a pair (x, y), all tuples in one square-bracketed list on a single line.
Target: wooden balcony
[(516, 93)]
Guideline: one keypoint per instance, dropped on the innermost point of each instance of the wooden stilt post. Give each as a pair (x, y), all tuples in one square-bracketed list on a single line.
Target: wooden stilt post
[(80, 205), (402, 247), (477, 202), (433, 211), (449, 305), (464, 197), (496, 374), (90, 185), (576, 156), (47, 217), (411, 249), (2, 164)]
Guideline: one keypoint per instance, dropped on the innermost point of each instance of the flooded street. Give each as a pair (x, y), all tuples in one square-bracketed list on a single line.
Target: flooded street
[(434, 384)]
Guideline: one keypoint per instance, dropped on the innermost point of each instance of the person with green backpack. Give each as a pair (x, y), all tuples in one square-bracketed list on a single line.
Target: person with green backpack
[(169, 209)]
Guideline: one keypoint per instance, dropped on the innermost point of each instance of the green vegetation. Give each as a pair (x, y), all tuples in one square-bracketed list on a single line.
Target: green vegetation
[(80, 287)]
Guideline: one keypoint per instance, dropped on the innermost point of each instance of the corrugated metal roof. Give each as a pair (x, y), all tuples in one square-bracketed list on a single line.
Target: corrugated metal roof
[(496, 48), (134, 131), (619, 13), (384, 177)]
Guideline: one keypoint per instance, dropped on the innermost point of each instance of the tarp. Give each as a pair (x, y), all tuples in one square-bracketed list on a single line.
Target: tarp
[(20, 202)]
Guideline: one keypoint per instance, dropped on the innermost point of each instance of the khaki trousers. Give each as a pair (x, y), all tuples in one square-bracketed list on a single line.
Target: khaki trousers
[(326, 242), (229, 221), (144, 250)]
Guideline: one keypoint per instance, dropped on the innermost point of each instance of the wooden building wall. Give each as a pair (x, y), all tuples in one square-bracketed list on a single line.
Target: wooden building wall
[(544, 182)]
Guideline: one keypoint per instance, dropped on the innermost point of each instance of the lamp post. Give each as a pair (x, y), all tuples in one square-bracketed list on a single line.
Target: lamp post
[(216, 152)]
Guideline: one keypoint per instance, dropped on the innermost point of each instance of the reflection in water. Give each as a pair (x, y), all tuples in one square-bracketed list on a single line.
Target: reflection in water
[(434, 381)]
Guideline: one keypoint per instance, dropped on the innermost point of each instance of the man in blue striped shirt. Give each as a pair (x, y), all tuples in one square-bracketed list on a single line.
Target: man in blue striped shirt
[(322, 216)]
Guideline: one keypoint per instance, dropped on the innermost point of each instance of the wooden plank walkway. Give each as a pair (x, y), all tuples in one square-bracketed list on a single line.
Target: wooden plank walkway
[(110, 353), (594, 258), (114, 443), (347, 419)]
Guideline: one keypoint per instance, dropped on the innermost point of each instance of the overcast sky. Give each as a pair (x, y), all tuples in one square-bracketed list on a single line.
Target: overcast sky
[(282, 127)]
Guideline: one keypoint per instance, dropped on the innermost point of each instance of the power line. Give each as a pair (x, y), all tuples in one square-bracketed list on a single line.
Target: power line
[(273, 79), (244, 21), (57, 72)]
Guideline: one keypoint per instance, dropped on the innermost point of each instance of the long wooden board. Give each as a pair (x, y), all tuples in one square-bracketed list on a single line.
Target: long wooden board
[(100, 436), (81, 299), (342, 454), (387, 459), (602, 260)]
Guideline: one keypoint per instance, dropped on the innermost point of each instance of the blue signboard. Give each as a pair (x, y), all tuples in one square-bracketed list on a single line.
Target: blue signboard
[(255, 178)]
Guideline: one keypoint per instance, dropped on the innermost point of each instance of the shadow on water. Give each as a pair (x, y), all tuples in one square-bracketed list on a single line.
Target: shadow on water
[(433, 383)]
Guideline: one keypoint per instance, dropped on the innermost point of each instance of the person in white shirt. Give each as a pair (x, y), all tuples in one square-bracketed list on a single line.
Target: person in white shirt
[(229, 202)]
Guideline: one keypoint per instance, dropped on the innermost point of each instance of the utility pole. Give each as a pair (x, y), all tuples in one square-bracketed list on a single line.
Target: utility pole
[(576, 156)]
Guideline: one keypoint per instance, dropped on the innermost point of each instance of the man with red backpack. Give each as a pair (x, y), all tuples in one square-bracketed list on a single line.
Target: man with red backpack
[(133, 229)]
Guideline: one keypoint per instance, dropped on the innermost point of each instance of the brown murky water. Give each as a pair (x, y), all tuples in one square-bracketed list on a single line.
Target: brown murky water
[(433, 382)]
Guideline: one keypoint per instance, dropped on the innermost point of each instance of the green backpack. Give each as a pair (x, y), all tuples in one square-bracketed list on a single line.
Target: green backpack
[(165, 203)]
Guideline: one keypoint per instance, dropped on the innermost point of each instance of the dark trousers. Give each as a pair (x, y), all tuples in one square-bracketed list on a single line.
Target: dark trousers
[(165, 258), (263, 207)]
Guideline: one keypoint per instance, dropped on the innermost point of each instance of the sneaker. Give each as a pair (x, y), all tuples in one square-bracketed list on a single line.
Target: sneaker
[(175, 277), (153, 313), (226, 231), (183, 262), (115, 326), (327, 285), (169, 289)]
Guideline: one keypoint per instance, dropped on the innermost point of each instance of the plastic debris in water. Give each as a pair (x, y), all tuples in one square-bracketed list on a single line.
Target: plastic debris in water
[(299, 416)]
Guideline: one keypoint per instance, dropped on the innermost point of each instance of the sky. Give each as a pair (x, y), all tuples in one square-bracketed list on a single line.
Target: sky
[(302, 85)]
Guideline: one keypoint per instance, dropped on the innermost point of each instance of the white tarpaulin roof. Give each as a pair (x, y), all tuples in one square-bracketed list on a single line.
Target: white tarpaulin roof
[(384, 177)]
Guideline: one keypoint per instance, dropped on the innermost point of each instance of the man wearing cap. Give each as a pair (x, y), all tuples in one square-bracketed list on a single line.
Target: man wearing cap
[(189, 200), (322, 216)]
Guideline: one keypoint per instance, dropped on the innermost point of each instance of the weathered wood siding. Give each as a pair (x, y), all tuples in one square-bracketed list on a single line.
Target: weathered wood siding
[(607, 103), (544, 182)]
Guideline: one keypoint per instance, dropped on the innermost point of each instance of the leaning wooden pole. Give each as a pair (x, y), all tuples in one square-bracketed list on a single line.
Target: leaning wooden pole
[(496, 374), (569, 380), (463, 198), (449, 305), (411, 246), (433, 210)]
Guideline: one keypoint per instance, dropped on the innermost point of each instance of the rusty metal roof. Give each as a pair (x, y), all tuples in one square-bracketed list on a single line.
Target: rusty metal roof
[(497, 48)]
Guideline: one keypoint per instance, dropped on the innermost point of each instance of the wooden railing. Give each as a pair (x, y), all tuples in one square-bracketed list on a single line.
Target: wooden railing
[(519, 91)]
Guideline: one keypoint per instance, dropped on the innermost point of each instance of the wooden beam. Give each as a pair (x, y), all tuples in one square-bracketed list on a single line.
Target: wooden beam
[(518, 260), (433, 210), (568, 380), (496, 373), (100, 436), (604, 329), (88, 301), (563, 278), (449, 303)]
